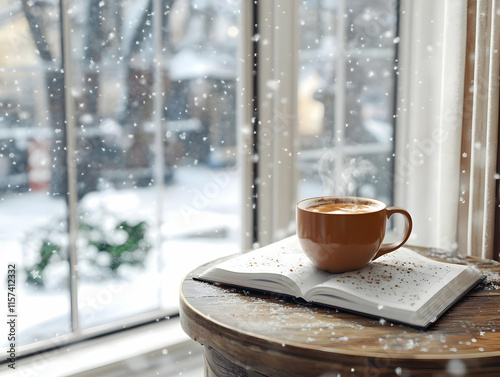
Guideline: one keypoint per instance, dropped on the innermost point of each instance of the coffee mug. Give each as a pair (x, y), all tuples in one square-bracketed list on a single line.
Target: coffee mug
[(342, 234)]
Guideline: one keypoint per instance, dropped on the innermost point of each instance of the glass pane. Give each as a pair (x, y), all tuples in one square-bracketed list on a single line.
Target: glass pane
[(33, 216), (346, 94)]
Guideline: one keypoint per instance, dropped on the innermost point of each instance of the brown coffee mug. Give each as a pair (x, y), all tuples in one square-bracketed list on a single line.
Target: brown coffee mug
[(342, 234)]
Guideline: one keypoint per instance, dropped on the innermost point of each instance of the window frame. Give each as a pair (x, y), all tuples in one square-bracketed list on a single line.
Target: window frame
[(270, 112)]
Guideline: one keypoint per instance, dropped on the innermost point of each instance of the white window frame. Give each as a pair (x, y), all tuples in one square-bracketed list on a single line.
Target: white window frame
[(269, 107)]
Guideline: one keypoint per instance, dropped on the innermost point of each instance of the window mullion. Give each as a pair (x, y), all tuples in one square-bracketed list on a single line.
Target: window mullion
[(159, 132), (340, 82), (72, 196), (284, 117), (265, 130), (246, 118)]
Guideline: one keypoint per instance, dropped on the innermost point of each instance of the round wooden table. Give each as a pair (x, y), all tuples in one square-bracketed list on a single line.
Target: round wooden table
[(249, 334)]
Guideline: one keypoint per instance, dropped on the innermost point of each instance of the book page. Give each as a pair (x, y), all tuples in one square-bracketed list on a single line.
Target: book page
[(401, 279), (281, 260)]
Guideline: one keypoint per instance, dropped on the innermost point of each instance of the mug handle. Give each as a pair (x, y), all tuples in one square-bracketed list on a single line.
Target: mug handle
[(387, 248)]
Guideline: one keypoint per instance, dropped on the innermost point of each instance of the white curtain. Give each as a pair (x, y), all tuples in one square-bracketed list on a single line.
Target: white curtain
[(481, 122), (445, 165)]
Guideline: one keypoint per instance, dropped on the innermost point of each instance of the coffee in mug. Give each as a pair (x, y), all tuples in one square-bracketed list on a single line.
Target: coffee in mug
[(342, 234), (342, 208)]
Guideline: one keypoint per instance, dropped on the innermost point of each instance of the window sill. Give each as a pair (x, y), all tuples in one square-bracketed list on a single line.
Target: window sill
[(156, 345)]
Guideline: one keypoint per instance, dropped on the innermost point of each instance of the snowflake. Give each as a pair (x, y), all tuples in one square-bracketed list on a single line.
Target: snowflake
[(35, 274)]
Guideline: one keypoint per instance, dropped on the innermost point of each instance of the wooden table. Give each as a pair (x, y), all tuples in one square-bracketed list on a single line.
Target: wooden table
[(250, 334)]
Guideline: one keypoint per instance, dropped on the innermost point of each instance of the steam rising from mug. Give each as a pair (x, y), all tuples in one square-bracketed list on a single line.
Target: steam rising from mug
[(341, 175)]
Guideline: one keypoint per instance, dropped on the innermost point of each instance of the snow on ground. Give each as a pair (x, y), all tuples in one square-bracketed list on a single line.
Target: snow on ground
[(199, 220)]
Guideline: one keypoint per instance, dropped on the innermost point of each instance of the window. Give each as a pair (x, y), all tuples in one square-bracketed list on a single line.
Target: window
[(325, 106), (139, 139), (347, 83), (118, 167), (120, 155)]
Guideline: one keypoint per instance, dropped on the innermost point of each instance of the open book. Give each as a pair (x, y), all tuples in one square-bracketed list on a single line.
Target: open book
[(401, 286)]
